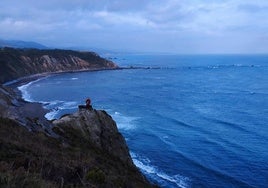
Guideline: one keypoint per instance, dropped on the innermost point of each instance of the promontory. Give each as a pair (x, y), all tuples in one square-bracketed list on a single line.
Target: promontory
[(83, 149)]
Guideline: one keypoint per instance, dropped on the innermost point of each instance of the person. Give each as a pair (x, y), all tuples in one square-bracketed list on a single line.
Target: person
[(88, 103), (87, 106)]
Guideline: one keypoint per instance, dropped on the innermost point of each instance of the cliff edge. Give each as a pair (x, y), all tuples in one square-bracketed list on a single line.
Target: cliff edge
[(84, 149), (98, 128), (17, 63)]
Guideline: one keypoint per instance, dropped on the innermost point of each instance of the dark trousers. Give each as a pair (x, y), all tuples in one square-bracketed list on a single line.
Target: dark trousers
[(89, 107)]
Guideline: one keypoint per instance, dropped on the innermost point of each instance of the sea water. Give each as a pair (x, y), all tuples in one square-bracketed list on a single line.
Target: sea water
[(189, 121)]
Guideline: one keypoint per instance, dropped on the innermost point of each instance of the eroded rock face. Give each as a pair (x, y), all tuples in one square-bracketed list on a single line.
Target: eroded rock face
[(84, 149), (30, 115), (97, 127), (17, 63)]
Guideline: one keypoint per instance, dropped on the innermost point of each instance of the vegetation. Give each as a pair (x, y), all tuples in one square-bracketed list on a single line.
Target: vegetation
[(96, 175), (16, 63), (33, 159)]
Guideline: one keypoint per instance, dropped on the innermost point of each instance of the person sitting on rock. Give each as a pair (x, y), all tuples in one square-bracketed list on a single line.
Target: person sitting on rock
[(88, 103), (87, 106)]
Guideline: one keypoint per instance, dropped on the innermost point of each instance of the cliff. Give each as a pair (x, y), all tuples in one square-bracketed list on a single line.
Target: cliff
[(17, 63), (29, 115), (83, 149), (98, 128)]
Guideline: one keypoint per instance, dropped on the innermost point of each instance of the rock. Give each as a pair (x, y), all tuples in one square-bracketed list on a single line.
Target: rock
[(98, 128), (30, 115), (84, 149), (17, 63)]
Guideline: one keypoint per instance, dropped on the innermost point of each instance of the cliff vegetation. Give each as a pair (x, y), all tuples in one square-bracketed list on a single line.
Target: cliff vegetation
[(17, 63), (83, 149)]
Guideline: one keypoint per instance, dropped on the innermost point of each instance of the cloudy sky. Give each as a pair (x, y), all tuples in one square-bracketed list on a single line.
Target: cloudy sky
[(178, 26)]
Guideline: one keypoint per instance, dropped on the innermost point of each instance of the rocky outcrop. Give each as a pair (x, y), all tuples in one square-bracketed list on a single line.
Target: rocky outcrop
[(98, 128), (29, 115), (17, 63), (84, 149)]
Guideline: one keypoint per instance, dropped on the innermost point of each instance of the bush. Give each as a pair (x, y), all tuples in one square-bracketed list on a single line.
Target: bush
[(96, 176)]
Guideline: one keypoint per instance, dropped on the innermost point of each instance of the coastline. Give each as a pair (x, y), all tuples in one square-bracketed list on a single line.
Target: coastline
[(109, 159), (27, 79), (15, 84), (35, 109), (104, 151)]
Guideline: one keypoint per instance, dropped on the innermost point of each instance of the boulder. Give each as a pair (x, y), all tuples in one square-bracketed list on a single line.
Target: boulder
[(98, 128)]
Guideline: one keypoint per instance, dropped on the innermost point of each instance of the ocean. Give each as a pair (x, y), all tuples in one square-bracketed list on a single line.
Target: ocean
[(189, 120)]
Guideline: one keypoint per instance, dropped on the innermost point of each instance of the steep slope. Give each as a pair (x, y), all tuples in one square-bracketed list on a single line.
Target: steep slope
[(29, 115), (16, 63), (83, 149)]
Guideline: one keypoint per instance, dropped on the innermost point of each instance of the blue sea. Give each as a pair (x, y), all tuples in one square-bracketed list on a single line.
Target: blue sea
[(189, 120)]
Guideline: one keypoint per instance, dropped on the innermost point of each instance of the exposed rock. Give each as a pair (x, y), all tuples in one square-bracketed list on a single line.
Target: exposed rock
[(17, 63), (83, 149), (30, 115), (98, 128)]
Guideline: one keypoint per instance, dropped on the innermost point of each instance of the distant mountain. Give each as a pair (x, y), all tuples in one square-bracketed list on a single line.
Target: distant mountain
[(21, 44)]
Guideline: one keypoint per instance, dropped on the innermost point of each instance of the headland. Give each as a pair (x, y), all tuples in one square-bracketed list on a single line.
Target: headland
[(84, 149)]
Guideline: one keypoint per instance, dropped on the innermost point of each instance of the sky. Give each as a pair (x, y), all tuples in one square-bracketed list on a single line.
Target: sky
[(175, 26)]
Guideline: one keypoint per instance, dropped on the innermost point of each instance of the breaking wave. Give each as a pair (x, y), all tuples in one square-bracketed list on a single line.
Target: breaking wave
[(57, 107), (157, 175), (24, 90), (123, 121)]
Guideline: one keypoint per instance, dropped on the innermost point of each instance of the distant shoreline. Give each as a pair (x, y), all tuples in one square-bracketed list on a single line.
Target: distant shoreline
[(40, 111), (15, 84), (27, 79)]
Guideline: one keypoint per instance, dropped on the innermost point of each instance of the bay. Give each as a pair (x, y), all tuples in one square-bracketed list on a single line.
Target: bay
[(189, 120)]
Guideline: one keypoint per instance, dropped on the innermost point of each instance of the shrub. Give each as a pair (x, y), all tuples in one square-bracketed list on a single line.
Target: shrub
[(96, 176)]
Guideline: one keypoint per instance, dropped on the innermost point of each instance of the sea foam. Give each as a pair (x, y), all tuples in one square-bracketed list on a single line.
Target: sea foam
[(144, 164), (123, 121), (25, 94), (54, 107), (57, 106)]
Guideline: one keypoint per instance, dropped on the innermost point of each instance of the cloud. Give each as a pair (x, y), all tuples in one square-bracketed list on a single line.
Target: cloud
[(159, 25), (252, 8)]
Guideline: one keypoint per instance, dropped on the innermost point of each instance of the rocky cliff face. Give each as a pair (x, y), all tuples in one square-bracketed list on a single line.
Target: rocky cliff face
[(16, 63), (98, 128), (83, 149), (29, 115)]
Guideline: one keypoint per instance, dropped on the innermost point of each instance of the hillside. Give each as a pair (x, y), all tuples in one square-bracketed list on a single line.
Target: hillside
[(34, 159), (21, 44), (84, 149), (17, 63)]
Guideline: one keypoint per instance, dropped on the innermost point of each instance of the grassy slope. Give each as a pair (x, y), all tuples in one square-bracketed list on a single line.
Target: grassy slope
[(30, 159)]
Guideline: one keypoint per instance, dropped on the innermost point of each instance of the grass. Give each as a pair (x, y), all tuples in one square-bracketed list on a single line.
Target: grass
[(33, 159)]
